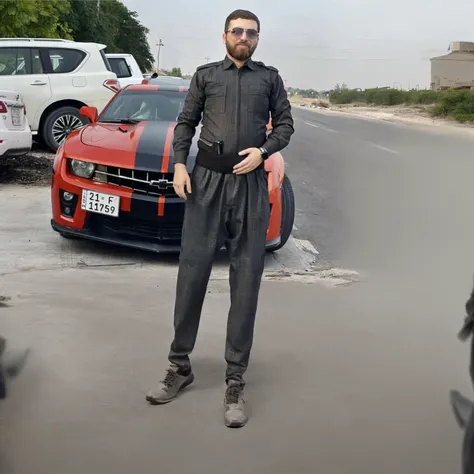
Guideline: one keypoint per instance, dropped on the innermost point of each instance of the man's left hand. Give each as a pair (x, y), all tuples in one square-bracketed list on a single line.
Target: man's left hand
[(253, 159)]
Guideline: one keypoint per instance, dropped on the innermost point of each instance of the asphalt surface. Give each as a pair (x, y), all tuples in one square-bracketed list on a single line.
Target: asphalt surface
[(382, 196), (351, 379)]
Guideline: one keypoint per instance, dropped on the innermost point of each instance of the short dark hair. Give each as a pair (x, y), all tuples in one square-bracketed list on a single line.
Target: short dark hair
[(244, 14)]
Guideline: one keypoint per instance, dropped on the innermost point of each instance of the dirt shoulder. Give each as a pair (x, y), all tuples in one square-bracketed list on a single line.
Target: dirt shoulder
[(416, 115), (33, 168)]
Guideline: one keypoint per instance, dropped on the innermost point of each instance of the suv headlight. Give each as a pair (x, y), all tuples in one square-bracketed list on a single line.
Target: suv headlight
[(82, 169)]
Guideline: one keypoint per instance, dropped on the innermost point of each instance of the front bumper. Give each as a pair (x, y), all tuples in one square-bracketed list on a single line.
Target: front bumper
[(145, 222), (108, 237), (15, 143)]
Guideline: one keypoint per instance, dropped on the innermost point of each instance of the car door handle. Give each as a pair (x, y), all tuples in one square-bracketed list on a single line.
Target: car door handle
[(38, 83)]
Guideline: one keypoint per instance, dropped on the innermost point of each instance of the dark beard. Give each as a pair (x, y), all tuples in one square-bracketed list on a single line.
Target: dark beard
[(240, 53)]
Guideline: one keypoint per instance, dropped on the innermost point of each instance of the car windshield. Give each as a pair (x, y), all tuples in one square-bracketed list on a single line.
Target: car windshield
[(135, 106)]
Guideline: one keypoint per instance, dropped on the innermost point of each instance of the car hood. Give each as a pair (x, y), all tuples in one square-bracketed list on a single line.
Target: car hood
[(146, 146)]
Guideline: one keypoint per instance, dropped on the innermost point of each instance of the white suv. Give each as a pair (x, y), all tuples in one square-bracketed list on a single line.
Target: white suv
[(126, 67), (15, 133), (56, 78)]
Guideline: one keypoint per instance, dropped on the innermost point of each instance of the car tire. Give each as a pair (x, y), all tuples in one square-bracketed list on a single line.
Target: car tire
[(59, 123), (287, 213)]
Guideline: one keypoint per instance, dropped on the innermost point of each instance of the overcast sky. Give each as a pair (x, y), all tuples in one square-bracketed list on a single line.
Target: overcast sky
[(317, 43)]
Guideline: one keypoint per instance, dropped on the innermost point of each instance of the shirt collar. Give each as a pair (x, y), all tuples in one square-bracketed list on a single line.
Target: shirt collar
[(228, 63)]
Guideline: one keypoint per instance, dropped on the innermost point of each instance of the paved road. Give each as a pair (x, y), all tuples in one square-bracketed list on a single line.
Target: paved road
[(374, 195), (345, 380)]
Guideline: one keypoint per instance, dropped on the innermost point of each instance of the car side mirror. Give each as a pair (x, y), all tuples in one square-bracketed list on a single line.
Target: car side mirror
[(89, 112)]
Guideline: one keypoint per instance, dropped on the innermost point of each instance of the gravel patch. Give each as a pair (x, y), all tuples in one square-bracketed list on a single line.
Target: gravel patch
[(33, 168)]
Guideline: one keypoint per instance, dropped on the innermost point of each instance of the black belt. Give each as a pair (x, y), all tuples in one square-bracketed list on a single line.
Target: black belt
[(220, 163)]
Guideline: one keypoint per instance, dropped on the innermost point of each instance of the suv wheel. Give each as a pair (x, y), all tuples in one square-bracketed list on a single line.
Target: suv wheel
[(59, 124)]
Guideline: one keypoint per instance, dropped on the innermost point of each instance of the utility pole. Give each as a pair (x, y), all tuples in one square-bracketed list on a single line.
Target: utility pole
[(207, 58), (160, 44), (97, 19)]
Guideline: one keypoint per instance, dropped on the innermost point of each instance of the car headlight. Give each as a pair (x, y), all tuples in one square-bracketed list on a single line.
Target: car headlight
[(82, 169)]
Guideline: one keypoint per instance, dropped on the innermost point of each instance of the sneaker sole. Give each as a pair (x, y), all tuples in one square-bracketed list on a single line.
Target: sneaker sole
[(156, 401), (235, 424)]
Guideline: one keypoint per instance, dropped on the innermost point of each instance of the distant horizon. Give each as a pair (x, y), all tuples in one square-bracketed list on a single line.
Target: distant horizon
[(362, 88), (363, 43)]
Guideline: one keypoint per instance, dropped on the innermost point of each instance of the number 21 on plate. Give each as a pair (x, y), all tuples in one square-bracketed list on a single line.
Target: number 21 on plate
[(100, 203)]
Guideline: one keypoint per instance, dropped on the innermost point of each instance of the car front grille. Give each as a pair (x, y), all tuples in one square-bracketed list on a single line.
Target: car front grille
[(132, 228), (152, 183)]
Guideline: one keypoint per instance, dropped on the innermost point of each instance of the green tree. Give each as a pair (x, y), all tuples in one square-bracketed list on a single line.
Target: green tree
[(84, 21), (34, 19), (176, 72), (132, 37), (113, 25)]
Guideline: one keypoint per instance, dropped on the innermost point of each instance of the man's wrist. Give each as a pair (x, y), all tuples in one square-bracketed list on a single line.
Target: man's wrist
[(263, 153), (180, 157)]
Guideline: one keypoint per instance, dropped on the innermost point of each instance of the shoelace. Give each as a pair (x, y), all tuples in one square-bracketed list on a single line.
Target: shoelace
[(233, 394), (170, 378)]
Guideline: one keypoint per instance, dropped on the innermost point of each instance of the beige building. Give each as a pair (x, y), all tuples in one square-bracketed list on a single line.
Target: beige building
[(455, 69)]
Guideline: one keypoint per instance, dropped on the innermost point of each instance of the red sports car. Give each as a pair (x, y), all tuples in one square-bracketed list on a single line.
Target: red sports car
[(113, 178)]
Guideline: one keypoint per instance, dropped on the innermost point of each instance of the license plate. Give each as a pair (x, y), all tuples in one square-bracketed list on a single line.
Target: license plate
[(106, 204), (16, 116)]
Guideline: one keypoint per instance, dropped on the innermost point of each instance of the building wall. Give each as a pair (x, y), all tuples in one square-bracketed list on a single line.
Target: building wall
[(453, 70)]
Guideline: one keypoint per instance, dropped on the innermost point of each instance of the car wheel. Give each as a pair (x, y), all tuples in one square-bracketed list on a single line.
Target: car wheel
[(287, 213), (59, 124)]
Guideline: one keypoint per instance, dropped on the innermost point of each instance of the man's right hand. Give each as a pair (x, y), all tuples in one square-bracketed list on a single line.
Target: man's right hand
[(181, 180)]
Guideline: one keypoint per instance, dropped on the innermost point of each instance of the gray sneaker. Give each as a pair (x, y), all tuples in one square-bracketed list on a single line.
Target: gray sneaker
[(169, 387), (234, 404), (14, 361)]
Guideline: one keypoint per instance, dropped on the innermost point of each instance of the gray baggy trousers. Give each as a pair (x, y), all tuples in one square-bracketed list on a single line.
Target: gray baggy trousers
[(231, 210)]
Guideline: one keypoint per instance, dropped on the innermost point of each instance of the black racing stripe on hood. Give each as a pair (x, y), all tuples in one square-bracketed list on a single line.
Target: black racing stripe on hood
[(150, 148)]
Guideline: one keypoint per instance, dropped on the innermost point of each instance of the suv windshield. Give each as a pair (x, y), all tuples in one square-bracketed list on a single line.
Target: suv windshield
[(147, 105)]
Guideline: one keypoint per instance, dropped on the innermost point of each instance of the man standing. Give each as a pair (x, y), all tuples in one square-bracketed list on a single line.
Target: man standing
[(226, 200)]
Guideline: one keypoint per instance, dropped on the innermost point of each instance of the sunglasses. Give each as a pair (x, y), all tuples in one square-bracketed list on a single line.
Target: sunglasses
[(238, 32)]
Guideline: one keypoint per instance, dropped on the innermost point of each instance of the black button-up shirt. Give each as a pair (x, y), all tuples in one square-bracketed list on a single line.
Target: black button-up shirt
[(235, 105)]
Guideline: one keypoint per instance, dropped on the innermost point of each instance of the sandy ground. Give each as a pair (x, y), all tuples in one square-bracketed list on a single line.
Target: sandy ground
[(346, 379), (329, 388), (416, 115)]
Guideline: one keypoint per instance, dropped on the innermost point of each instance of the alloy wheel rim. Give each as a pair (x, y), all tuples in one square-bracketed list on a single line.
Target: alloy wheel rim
[(63, 126)]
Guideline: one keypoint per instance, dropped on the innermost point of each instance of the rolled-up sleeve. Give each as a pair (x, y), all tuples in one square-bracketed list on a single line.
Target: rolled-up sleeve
[(188, 119), (282, 119)]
